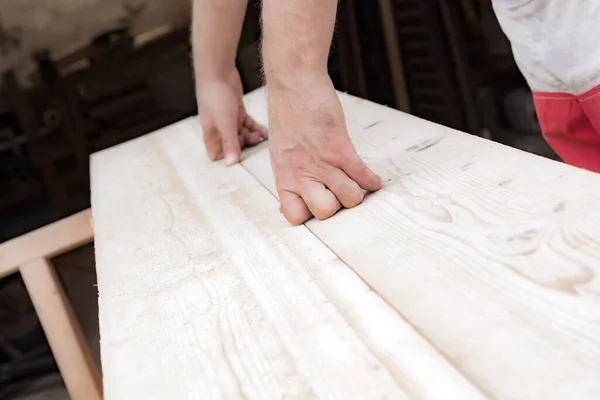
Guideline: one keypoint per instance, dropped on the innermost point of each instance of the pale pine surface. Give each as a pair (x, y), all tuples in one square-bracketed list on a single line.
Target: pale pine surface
[(491, 253), (478, 261), (207, 292)]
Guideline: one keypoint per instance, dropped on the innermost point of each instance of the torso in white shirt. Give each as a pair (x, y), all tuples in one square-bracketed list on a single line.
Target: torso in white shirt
[(556, 43)]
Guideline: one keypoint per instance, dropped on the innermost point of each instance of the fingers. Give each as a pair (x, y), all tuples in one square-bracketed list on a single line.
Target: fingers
[(316, 200), (250, 138), (254, 126), (321, 202), (358, 171), (345, 189), (226, 138), (293, 208), (212, 142), (230, 141)]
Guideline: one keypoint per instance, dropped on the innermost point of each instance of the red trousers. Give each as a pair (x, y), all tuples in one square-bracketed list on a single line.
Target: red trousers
[(571, 125)]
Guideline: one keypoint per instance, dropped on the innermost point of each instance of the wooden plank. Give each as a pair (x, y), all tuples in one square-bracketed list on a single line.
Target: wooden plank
[(72, 353), (60, 95), (491, 253), (207, 292), (56, 238)]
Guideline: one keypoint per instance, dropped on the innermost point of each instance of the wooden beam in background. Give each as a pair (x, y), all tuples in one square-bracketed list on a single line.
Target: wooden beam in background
[(394, 55), (351, 62), (36, 145), (46, 242)]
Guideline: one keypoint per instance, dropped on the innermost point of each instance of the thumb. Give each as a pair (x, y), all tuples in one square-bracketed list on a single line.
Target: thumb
[(231, 143)]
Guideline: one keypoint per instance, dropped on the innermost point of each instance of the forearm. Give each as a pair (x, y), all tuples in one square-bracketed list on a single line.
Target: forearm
[(297, 37), (216, 29)]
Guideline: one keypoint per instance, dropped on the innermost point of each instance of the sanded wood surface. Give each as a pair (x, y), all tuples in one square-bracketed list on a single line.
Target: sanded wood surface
[(46, 242), (205, 292), (471, 275), (491, 253)]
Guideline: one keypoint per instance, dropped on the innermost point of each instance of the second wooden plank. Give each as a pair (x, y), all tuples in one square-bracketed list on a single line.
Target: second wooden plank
[(491, 253)]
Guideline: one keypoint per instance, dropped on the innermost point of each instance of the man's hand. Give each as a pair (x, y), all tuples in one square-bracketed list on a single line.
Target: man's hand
[(317, 169), (216, 28), (315, 164), (226, 125)]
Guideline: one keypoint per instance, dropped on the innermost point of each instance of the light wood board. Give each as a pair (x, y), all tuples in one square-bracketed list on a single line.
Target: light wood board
[(471, 275)]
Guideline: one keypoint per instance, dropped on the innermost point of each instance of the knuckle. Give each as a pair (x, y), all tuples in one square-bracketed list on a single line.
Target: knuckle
[(295, 218), (326, 210), (348, 192), (354, 198)]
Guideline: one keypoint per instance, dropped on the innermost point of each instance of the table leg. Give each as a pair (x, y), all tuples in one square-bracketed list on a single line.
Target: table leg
[(82, 377)]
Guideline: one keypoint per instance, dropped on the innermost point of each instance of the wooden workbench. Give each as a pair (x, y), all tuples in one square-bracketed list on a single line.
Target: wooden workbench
[(471, 275)]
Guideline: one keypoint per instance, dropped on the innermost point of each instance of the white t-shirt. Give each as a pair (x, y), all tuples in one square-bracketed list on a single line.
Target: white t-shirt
[(556, 43)]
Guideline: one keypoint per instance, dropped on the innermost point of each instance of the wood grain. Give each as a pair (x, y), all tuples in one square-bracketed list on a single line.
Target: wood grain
[(205, 291), (72, 354), (471, 275), (46, 242), (489, 252)]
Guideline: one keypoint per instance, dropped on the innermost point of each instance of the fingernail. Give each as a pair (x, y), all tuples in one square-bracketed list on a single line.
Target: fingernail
[(231, 159)]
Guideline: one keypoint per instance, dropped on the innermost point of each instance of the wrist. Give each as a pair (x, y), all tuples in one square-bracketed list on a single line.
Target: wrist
[(300, 65), (212, 63), (296, 79), (205, 74)]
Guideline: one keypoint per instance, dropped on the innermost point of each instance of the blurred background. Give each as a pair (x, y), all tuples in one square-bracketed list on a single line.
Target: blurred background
[(78, 76)]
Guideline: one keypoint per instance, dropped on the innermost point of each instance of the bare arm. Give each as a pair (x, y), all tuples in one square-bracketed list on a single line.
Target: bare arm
[(216, 29), (297, 37), (316, 168)]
